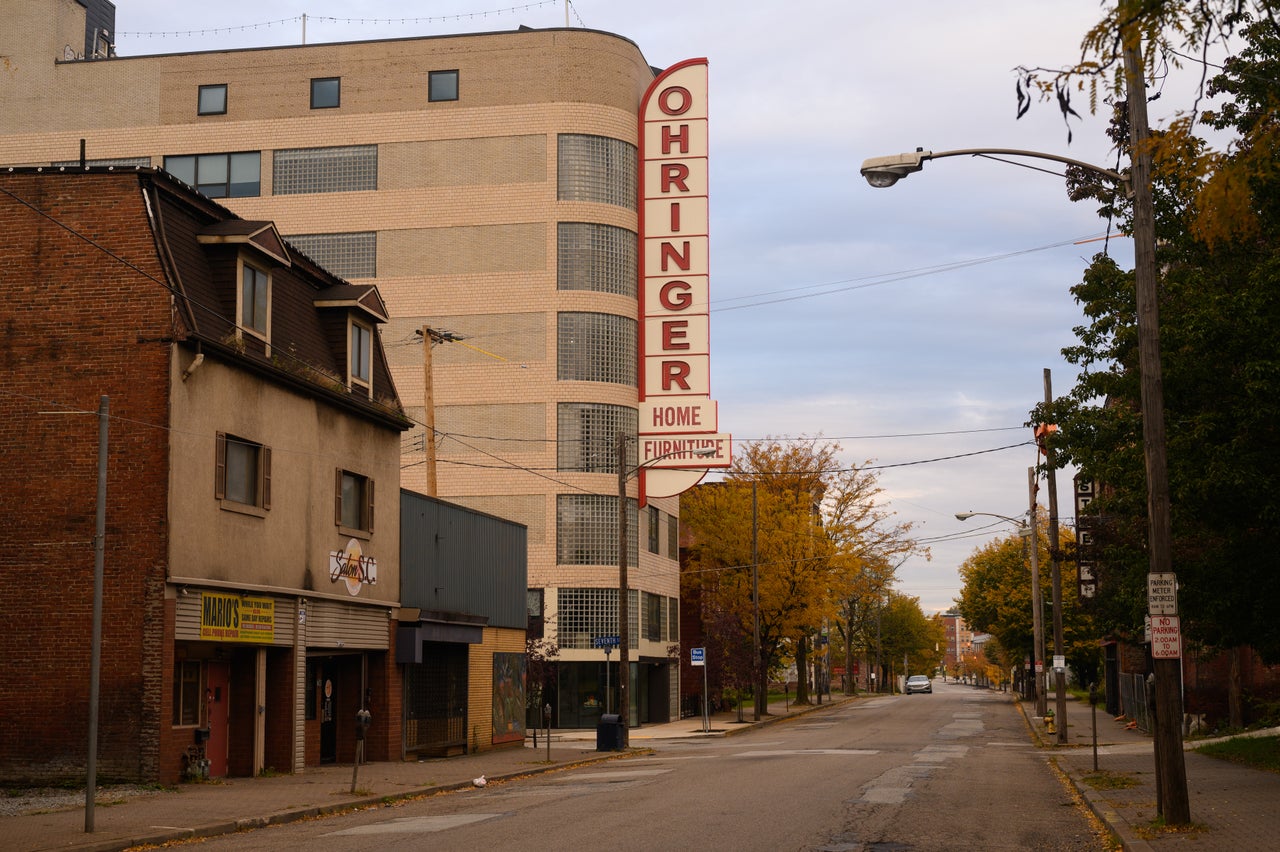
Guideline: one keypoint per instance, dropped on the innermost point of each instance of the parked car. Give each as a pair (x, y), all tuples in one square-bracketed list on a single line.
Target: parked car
[(919, 683)]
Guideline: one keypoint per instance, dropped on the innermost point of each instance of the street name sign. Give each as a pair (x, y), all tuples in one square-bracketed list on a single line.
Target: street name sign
[(604, 641)]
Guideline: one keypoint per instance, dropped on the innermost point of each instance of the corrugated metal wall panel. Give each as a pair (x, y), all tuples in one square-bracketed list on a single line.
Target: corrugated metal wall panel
[(458, 560), (331, 624)]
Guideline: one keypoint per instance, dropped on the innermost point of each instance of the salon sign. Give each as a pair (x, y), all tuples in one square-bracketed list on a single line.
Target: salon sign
[(352, 568)]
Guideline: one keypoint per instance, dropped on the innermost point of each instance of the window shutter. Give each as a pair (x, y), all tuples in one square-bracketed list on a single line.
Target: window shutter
[(337, 496), (220, 468), (266, 477), (368, 484)]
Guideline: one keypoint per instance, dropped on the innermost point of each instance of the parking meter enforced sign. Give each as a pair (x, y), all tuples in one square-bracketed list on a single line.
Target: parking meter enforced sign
[(1162, 594)]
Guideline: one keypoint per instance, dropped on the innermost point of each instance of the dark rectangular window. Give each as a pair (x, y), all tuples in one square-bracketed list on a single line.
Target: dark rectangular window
[(212, 100), (242, 472), (361, 353), (236, 175), (186, 693), (654, 516), (442, 86), (354, 501), (653, 606), (326, 92), (255, 286)]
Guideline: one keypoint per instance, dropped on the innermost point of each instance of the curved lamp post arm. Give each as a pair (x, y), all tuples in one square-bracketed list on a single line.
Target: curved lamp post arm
[(964, 516), (882, 172)]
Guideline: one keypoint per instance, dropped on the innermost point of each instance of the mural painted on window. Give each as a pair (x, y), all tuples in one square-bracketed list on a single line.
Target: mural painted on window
[(508, 698)]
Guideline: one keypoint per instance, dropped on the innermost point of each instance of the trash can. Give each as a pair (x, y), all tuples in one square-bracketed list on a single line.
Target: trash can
[(608, 733)]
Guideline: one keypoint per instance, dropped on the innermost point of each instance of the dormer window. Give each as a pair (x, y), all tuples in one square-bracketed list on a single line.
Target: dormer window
[(361, 355), (255, 299)]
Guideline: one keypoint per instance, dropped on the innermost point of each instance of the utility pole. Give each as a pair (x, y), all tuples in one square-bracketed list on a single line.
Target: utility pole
[(1037, 605), (429, 415), (624, 636), (95, 648), (1055, 562), (761, 674), (1173, 803)]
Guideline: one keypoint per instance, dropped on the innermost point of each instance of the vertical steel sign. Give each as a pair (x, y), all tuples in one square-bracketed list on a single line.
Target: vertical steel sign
[(677, 415)]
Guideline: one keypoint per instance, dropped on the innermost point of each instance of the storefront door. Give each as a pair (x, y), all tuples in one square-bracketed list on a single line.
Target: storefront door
[(328, 713), (218, 700)]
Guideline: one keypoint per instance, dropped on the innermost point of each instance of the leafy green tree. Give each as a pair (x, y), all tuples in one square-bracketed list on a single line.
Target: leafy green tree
[(1218, 220)]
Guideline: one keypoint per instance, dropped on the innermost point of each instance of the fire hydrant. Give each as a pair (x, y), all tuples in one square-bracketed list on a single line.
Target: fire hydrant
[(1048, 722)]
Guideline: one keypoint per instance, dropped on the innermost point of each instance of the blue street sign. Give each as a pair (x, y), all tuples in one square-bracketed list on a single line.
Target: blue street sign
[(697, 656), (604, 641)]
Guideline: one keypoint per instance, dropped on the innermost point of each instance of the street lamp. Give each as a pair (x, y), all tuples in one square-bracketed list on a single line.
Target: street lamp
[(1173, 802), (624, 641), (1028, 530), (882, 172)]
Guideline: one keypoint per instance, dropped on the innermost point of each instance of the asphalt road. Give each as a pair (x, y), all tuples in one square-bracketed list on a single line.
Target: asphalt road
[(955, 770)]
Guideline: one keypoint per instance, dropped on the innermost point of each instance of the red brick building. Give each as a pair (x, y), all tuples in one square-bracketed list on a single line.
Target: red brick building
[(249, 600)]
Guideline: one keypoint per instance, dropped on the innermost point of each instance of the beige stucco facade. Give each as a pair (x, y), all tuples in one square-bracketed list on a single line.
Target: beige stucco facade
[(288, 547)]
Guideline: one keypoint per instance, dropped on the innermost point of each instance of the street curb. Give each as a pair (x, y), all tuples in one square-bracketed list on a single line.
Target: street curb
[(224, 827)]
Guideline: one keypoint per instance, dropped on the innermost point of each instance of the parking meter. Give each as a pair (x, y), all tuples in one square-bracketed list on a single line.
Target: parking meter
[(363, 719)]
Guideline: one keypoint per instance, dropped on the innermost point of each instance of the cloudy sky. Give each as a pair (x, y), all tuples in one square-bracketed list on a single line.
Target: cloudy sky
[(911, 325)]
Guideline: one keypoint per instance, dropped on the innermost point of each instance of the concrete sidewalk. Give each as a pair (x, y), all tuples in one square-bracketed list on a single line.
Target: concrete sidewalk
[(1232, 807), (224, 806)]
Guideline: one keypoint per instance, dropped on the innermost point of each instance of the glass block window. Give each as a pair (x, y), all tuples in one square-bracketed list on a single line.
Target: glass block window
[(593, 347), (587, 436), (587, 530), (345, 255), (584, 614), (306, 170), (596, 168), (212, 100), (596, 257), (219, 175), (442, 86), (673, 537)]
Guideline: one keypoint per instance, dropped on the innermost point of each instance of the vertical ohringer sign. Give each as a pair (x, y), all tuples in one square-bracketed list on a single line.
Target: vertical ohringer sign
[(677, 415)]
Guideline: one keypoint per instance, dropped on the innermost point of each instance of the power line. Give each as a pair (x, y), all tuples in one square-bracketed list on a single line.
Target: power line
[(330, 19)]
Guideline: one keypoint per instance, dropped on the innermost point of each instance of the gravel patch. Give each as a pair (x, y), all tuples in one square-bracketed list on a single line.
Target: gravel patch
[(38, 800)]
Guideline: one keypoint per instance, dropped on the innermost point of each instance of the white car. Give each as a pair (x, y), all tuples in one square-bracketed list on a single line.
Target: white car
[(919, 683)]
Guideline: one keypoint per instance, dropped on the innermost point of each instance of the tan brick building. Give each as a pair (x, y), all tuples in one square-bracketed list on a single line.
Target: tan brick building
[(487, 183)]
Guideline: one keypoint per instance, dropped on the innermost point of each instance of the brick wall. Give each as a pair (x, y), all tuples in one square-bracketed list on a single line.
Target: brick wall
[(81, 318)]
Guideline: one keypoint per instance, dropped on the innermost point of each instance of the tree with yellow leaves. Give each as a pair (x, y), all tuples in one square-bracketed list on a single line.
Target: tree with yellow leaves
[(817, 526)]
